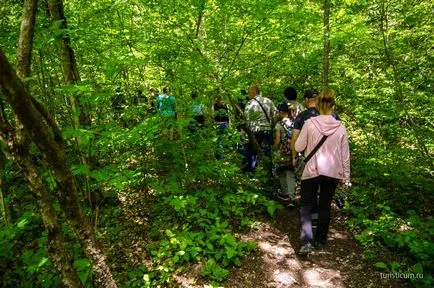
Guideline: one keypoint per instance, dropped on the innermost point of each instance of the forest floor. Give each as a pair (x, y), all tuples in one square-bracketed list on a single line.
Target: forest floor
[(275, 264)]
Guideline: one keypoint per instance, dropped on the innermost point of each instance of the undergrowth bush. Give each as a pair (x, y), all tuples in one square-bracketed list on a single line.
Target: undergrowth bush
[(199, 203), (391, 203)]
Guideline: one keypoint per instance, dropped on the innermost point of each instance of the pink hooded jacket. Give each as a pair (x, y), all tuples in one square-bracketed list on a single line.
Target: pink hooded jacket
[(333, 157)]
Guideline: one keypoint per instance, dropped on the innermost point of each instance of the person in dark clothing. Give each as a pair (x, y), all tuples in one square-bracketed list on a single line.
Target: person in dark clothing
[(118, 101), (140, 99), (220, 114), (118, 105), (153, 93), (198, 109), (291, 97)]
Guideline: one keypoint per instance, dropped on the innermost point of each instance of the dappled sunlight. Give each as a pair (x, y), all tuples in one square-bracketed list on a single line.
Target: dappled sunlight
[(285, 277), (276, 264), (334, 234), (128, 199), (321, 277), (276, 251), (264, 246), (293, 264), (285, 269)]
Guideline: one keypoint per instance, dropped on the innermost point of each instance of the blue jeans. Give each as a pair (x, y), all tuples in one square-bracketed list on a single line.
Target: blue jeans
[(265, 140), (221, 128)]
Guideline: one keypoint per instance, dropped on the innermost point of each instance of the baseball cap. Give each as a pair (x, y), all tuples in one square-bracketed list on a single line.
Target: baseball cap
[(283, 106), (312, 93)]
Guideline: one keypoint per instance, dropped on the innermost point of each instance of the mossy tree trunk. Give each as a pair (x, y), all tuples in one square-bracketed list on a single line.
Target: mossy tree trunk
[(45, 134), (19, 146), (69, 63)]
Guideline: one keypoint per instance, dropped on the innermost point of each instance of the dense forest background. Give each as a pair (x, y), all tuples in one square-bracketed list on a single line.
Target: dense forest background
[(90, 178)]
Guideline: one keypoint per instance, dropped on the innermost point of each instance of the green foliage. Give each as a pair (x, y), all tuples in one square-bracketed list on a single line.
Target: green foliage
[(199, 218), (82, 266), (27, 261), (381, 68), (408, 235), (214, 271)]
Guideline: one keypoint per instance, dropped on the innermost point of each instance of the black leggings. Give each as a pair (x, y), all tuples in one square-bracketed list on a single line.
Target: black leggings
[(309, 190)]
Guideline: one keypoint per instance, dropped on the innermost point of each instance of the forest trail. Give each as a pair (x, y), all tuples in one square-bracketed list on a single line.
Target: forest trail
[(275, 264)]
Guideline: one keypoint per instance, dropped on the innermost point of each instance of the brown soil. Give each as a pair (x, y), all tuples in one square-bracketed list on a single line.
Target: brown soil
[(276, 263)]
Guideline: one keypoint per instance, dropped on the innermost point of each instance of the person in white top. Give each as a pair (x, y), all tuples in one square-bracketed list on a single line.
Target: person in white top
[(259, 113)]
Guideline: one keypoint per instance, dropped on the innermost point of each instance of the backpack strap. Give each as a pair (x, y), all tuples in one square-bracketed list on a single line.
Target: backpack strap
[(315, 149), (265, 113)]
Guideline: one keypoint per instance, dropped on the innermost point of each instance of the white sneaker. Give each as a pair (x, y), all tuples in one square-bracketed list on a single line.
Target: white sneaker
[(305, 249)]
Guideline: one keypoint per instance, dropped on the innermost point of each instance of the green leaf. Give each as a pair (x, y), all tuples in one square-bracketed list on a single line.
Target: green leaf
[(418, 268), (22, 223), (175, 259), (381, 265)]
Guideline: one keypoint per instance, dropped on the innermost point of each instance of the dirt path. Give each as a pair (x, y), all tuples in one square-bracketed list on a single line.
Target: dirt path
[(276, 264)]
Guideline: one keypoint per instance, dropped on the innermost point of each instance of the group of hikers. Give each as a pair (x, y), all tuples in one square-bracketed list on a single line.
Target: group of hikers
[(307, 143), (310, 143)]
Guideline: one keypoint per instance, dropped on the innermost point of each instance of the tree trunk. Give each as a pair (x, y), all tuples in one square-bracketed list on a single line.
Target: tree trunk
[(56, 247), (69, 64), (19, 145), (199, 18), (326, 57), (72, 77), (51, 145), (3, 208)]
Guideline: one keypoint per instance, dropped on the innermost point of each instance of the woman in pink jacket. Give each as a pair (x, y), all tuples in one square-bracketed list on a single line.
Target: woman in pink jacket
[(329, 165)]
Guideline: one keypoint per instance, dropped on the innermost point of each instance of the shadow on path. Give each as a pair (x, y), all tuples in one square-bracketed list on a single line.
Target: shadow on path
[(276, 264)]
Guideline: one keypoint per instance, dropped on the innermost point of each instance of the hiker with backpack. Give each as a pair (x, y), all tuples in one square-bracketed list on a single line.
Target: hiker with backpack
[(291, 97), (282, 153), (259, 114), (325, 142), (220, 114), (118, 105), (166, 106), (197, 113)]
